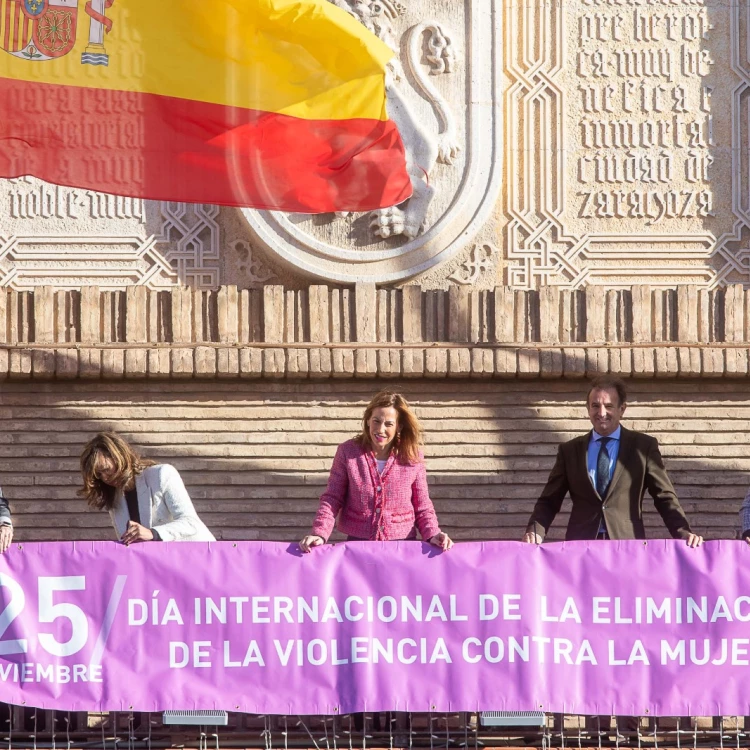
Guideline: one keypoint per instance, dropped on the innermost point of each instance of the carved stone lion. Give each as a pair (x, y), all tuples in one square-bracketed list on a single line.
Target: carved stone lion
[(423, 147)]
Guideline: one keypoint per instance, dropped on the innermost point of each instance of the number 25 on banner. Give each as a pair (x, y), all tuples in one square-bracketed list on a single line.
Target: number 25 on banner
[(48, 613)]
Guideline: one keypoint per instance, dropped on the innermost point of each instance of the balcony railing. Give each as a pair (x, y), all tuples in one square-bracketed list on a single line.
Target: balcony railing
[(24, 727)]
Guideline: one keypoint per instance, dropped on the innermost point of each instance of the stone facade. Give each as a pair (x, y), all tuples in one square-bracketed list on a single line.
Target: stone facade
[(446, 100), (626, 121), (248, 392), (592, 142)]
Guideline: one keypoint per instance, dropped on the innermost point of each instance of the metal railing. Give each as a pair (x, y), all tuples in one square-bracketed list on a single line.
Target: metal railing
[(24, 727)]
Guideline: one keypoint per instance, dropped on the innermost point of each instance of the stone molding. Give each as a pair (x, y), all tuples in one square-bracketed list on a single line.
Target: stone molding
[(324, 332), (367, 361)]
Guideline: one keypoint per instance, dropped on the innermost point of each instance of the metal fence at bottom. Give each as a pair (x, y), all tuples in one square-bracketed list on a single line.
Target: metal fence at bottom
[(23, 727)]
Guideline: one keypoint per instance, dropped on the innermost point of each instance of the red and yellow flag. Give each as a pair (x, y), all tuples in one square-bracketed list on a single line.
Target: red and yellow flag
[(276, 104)]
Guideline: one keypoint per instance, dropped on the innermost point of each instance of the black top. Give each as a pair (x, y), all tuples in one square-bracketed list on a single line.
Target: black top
[(131, 498)]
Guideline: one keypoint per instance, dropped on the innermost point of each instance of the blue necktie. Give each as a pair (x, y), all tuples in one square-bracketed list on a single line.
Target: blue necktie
[(603, 465)]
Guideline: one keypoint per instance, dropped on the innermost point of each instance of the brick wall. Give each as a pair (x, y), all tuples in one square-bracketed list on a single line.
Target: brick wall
[(255, 453)]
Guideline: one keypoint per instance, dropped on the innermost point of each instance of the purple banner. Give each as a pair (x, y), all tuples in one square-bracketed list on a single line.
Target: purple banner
[(584, 627)]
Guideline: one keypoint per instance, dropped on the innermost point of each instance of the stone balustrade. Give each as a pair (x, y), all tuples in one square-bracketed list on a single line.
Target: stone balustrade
[(323, 331)]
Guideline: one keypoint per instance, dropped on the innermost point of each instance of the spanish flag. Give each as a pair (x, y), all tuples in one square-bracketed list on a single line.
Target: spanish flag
[(275, 104)]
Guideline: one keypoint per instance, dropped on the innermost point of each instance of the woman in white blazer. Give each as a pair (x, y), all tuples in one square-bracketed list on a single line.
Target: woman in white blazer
[(146, 501)]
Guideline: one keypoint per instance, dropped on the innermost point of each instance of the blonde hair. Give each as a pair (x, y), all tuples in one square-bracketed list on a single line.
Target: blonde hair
[(128, 465), (409, 435)]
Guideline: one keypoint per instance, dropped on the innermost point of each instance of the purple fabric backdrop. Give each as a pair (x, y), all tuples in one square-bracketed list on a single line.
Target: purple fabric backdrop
[(583, 627)]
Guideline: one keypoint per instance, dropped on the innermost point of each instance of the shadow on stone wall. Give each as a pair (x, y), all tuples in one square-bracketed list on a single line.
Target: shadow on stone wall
[(255, 455)]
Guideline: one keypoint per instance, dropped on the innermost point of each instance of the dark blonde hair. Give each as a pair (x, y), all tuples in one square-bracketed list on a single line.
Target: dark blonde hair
[(409, 435), (128, 465)]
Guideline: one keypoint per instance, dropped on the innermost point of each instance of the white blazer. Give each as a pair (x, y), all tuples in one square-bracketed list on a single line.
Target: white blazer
[(164, 505)]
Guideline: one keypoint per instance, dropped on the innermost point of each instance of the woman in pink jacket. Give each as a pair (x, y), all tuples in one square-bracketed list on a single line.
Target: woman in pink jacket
[(377, 487)]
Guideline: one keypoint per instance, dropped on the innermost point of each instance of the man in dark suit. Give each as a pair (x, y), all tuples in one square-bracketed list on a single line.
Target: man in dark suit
[(607, 471)]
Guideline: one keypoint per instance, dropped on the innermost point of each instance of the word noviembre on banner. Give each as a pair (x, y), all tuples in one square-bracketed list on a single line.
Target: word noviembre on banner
[(261, 628)]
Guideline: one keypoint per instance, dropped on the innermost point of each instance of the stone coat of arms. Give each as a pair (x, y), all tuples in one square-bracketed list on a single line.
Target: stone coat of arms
[(40, 30), (446, 107)]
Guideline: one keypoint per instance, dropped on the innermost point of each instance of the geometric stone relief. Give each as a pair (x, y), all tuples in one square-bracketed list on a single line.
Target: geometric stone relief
[(627, 143), (618, 131), (64, 237), (444, 95), (189, 239)]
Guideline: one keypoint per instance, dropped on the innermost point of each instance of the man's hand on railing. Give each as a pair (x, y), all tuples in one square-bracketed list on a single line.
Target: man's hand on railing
[(694, 540), (310, 541)]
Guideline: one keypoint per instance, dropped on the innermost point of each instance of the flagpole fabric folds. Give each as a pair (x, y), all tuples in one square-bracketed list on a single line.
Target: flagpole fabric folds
[(275, 104)]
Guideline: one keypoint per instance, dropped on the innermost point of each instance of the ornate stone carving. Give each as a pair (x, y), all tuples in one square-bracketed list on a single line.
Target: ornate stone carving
[(189, 238), (70, 238), (454, 187), (621, 147), (423, 148), (253, 270), (481, 259), (625, 159)]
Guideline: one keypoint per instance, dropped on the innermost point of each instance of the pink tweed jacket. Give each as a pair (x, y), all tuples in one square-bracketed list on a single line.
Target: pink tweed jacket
[(371, 506)]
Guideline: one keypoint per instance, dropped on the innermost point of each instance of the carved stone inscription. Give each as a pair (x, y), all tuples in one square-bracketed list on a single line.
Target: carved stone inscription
[(30, 199), (645, 130), (628, 128), (62, 236), (108, 136)]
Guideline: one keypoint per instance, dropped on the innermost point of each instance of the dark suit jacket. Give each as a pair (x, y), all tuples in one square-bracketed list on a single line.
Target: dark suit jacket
[(639, 468)]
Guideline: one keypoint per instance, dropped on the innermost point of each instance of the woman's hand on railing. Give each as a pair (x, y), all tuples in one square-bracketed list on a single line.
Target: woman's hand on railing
[(441, 540), (136, 533), (311, 540), (6, 537)]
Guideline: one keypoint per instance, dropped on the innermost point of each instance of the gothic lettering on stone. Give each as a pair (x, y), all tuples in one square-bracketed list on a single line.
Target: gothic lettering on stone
[(50, 234), (628, 124), (645, 130), (652, 205), (32, 200), (108, 136)]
